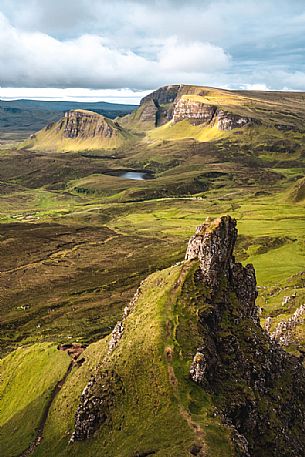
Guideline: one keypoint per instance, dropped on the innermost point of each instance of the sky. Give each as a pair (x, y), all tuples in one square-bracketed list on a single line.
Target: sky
[(120, 50)]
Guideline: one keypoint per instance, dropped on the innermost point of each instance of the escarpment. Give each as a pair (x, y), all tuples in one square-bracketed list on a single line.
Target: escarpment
[(201, 113), (178, 103), (157, 107)]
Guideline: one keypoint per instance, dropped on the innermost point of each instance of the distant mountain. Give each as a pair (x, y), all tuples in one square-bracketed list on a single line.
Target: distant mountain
[(79, 129), (33, 115)]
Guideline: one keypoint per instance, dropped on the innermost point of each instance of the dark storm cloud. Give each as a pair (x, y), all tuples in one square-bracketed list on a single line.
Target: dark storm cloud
[(143, 44)]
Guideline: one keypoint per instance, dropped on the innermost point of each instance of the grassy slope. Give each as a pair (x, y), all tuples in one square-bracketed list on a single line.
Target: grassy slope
[(160, 409), (27, 376), (184, 129)]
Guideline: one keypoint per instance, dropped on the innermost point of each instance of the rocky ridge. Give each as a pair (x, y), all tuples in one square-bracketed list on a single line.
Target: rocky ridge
[(98, 395), (249, 374), (79, 130), (257, 388), (175, 103), (283, 331)]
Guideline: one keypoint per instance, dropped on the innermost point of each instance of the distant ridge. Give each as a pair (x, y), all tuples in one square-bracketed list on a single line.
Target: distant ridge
[(79, 129), (32, 115)]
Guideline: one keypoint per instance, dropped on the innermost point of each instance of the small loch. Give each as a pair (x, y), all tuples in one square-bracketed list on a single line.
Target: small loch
[(136, 175)]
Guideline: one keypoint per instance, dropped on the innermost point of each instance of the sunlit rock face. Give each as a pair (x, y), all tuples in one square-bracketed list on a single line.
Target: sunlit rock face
[(195, 112), (85, 124)]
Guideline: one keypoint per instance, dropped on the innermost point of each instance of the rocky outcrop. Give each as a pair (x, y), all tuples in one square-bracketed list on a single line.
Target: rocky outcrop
[(149, 113), (96, 402), (198, 367), (80, 130), (249, 375), (118, 330), (86, 124), (200, 113), (283, 331), (156, 108), (255, 387), (99, 394), (177, 103), (195, 112), (162, 96), (229, 121)]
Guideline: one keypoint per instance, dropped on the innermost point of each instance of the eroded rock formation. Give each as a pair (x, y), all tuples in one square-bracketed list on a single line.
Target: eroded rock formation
[(194, 111), (250, 376), (157, 107), (175, 103), (200, 113), (118, 330), (256, 388), (283, 331), (86, 124), (99, 394), (95, 405)]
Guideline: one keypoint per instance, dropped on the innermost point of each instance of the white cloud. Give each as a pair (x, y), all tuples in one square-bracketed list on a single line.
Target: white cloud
[(192, 57), (125, 96), (143, 44), (255, 86), (34, 59)]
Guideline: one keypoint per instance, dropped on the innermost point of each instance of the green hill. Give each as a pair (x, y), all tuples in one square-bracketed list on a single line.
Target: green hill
[(187, 371), (79, 130)]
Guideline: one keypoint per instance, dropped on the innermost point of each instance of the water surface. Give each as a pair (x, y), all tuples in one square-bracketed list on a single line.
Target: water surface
[(137, 175)]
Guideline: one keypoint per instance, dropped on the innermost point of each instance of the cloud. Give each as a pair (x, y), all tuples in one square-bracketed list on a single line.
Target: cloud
[(35, 59), (142, 44), (193, 57), (125, 96)]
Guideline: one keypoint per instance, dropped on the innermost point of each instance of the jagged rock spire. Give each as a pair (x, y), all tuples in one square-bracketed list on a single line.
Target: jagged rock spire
[(213, 245)]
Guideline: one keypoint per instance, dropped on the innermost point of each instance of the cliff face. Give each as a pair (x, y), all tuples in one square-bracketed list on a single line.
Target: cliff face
[(177, 103), (162, 96), (197, 105), (80, 129), (85, 124), (197, 112), (251, 377), (156, 108)]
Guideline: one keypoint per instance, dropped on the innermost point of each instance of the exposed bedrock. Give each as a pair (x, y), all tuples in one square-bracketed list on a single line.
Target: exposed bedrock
[(259, 388), (82, 124)]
